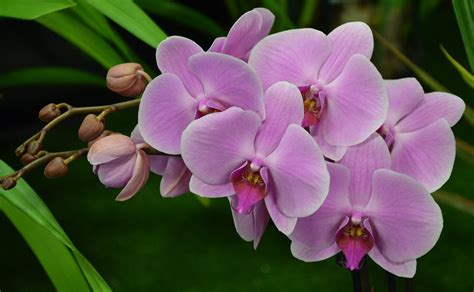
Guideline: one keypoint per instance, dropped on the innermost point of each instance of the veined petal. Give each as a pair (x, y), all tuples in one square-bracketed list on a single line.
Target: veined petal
[(362, 160), (217, 45), (334, 153), (283, 223), (403, 269), (110, 148), (426, 154), (175, 180), (309, 254), (117, 173), (293, 55), (299, 174), (346, 40), (403, 97), (203, 189), (217, 144), (357, 103), (318, 231), (166, 109), (141, 170), (283, 107), (405, 216), (434, 106), (267, 21), (252, 226), (228, 80), (172, 56), (158, 163)]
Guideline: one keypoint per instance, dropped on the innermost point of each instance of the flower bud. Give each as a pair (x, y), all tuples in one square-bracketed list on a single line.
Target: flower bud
[(49, 112), (124, 79), (27, 158), (33, 147), (56, 168), (91, 128), (8, 183)]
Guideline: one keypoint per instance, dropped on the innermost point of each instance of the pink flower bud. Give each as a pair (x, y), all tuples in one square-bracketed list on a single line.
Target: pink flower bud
[(27, 158), (124, 79), (119, 164), (56, 168), (33, 147), (91, 128), (49, 112)]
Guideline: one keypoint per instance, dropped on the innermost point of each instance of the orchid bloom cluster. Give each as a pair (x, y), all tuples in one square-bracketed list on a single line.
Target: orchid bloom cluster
[(298, 128)]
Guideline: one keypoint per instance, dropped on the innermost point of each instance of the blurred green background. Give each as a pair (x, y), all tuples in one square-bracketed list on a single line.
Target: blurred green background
[(150, 243)]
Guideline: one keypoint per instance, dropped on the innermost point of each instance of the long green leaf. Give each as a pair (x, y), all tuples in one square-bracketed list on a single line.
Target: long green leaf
[(131, 17), (27, 202), (41, 76), (464, 10), (80, 35), (307, 13), (183, 15), (31, 9), (468, 77)]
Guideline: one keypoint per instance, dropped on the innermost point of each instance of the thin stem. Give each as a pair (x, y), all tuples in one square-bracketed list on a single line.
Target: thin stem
[(356, 282), (391, 282), (145, 75), (409, 285)]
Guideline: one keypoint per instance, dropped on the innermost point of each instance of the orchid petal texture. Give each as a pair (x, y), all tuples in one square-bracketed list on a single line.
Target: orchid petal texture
[(418, 132), (272, 163), (370, 210), (193, 84), (345, 100)]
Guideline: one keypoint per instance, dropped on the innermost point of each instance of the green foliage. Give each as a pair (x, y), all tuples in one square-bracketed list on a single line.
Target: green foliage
[(131, 17), (47, 76), (307, 13), (468, 77), (80, 35), (66, 267), (464, 10), (31, 9)]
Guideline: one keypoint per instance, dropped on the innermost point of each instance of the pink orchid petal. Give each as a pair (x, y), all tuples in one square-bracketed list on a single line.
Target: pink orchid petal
[(117, 173), (217, 45), (435, 105), (252, 226), (228, 80), (110, 148), (217, 144), (138, 179), (354, 246), (283, 223), (248, 194), (346, 40), (362, 160), (426, 155), (356, 103), (158, 163), (203, 189), (403, 269), (166, 109), (407, 220), (318, 231), (175, 180), (334, 153), (283, 106), (172, 56), (267, 21), (403, 97), (299, 173), (309, 254), (293, 55)]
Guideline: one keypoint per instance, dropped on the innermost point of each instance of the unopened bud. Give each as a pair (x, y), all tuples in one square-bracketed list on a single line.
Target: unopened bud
[(56, 168), (124, 79), (91, 128), (33, 147), (49, 112), (27, 158), (104, 134), (20, 150), (8, 183)]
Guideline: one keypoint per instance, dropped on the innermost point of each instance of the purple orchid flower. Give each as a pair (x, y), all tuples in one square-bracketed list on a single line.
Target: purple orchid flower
[(271, 168), (175, 175), (246, 32), (120, 163), (370, 210), (194, 83), (418, 133), (344, 96)]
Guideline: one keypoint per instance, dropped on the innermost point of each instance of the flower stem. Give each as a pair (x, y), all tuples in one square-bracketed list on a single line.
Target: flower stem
[(391, 282), (356, 281)]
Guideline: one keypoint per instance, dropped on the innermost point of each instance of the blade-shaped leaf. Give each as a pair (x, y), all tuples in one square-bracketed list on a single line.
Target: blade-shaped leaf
[(35, 213), (131, 17), (184, 15), (468, 77), (464, 10), (307, 13), (67, 26), (31, 9), (42, 76)]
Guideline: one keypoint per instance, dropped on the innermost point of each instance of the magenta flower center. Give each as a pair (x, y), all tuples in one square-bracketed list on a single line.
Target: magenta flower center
[(387, 134), (250, 188), (355, 241), (313, 101)]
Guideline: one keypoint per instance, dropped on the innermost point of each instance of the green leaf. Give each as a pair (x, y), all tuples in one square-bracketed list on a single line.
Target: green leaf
[(426, 7), (307, 13), (31, 9), (131, 17), (464, 10), (47, 239), (80, 35), (184, 15), (45, 76), (468, 77), (280, 9), (469, 115)]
